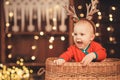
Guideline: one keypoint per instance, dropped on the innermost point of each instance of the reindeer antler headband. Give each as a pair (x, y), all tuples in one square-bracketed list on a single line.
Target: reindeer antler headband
[(91, 9)]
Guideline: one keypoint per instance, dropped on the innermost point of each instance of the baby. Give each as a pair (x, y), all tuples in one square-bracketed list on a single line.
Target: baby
[(85, 50)]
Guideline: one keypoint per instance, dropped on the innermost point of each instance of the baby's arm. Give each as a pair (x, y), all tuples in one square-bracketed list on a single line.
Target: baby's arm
[(59, 61)]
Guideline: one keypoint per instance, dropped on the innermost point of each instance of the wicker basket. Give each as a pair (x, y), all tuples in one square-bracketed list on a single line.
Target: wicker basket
[(109, 69)]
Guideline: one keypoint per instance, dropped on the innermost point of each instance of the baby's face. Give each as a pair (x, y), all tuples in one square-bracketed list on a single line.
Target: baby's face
[(83, 34)]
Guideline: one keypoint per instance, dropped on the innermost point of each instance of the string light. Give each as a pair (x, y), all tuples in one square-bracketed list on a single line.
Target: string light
[(97, 34), (54, 28), (62, 38), (97, 24), (9, 35), (82, 15), (41, 33), (36, 37), (7, 2), (113, 8), (10, 56), (99, 17), (80, 7), (50, 46), (7, 24), (33, 58), (11, 14), (34, 47), (9, 46), (99, 13)]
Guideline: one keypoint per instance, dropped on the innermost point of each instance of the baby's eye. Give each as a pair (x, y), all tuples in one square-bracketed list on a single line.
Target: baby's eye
[(74, 34), (82, 34)]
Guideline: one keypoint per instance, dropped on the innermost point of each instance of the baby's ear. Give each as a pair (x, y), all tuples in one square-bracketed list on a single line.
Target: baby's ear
[(92, 37)]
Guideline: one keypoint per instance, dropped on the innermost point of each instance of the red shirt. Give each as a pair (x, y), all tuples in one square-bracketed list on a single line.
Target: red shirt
[(78, 54)]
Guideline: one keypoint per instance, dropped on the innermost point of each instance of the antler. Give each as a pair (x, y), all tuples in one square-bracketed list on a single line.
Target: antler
[(91, 9), (72, 12)]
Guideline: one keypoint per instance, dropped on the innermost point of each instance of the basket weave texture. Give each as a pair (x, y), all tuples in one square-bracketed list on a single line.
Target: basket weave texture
[(108, 69)]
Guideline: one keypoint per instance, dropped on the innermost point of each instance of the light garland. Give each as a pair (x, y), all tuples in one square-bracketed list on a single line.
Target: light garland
[(15, 73)]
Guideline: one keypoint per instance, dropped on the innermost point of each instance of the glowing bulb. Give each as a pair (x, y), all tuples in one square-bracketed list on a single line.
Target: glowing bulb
[(36, 37), (18, 62), (9, 35), (34, 47), (51, 46), (31, 71), (110, 19), (52, 38), (110, 15), (33, 57), (111, 39), (81, 15), (7, 2), (112, 51), (54, 28), (9, 46), (7, 24), (11, 14), (80, 7), (97, 24), (54, 19), (41, 33), (97, 34), (1, 65), (113, 8), (99, 17), (99, 13), (10, 56), (62, 38), (21, 59)]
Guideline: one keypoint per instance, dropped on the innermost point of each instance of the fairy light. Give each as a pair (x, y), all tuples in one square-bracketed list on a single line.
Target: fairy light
[(9, 55), (50, 46), (111, 39), (36, 37), (100, 17), (17, 62), (112, 51), (54, 28), (82, 15), (9, 46), (113, 8), (62, 38), (31, 71), (9, 35), (110, 15), (41, 33), (110, 29), (7, 2), (34, 47), (21, 59), (1, 65), (97, 24), (11, 14), (99, 13), (111, 19), (7, 24), (80, 7), (97, 34), (33, 58)]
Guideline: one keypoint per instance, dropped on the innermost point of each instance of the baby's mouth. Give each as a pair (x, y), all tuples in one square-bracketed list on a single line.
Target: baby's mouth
[(79, 41)]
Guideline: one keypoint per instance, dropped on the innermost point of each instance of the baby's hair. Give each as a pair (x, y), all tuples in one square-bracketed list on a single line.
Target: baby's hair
[(89, 21)]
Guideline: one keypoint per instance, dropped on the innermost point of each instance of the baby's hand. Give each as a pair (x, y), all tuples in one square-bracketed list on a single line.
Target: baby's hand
[(59, 61), (88, 58)]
